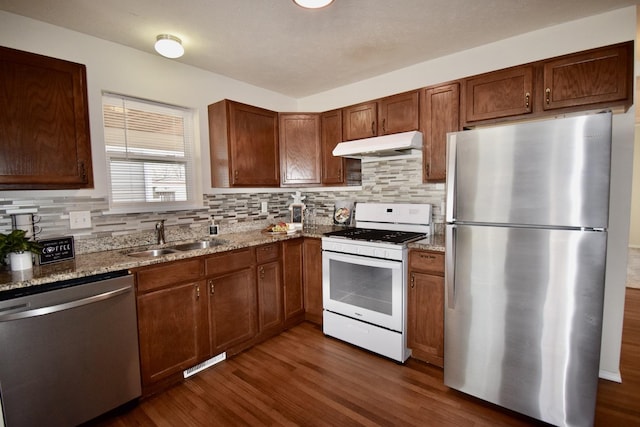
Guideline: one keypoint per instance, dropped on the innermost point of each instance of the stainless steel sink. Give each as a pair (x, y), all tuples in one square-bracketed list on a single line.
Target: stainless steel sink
[(149, 253), (202, 244)]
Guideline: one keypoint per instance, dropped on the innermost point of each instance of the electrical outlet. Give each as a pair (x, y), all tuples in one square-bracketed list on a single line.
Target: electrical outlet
[(265, 207), (79, 219)]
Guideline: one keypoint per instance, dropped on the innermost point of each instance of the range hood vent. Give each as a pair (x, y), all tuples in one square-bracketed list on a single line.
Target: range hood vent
[(397, 144)]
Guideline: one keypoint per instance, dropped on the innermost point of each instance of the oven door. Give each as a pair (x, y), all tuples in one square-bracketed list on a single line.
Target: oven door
[(364, 288)]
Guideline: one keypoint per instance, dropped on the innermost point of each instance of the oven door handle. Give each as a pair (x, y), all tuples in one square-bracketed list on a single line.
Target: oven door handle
[(449, 273)]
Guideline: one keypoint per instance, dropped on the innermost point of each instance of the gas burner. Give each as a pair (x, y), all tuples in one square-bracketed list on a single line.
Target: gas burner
[(372, 235)]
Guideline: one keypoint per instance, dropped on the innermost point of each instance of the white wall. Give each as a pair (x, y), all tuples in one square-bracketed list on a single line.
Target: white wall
[(121, 69), (600, 30)]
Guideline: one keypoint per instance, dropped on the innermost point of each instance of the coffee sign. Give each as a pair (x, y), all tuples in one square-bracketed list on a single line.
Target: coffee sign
[(54, 250)]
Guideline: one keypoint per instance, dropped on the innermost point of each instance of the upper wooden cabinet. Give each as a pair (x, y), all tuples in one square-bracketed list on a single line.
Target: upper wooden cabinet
[(398, 113), (360, 121), (243, 143), (333, 168), (392, 114), (499, 94), (440, 114), (592, 79), (300, 148), (44, 124)]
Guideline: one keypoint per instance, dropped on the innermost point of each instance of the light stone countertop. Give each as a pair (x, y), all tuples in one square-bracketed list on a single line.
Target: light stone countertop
[(91, 264)]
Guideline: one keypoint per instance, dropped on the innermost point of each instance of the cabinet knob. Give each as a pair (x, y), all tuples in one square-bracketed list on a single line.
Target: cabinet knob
[(548, 95), (527, 98), (373, 128), (197, 292), (211, 287), (413, 280), (261, 270)]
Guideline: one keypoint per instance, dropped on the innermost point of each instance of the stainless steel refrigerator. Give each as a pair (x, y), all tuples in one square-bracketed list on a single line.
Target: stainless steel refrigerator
[(526, 239)]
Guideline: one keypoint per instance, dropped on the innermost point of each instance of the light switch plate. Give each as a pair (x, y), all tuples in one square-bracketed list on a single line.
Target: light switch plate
[(264, 207), (79, 219)]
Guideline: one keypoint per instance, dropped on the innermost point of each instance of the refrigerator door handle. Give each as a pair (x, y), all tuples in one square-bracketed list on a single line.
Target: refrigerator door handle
[(451, 177), (449, 273)]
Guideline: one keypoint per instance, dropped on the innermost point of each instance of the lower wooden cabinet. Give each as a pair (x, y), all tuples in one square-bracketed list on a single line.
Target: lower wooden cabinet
[(292, 273), (172, 325), (269, 276), (312, 278), (194, 309), (232, 309), (425, 314)]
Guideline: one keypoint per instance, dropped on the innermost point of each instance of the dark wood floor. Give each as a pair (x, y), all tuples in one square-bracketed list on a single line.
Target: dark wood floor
[(304, 378)]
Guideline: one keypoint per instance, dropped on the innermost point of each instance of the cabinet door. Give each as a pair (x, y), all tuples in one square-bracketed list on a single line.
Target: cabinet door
[(596, 76), (270, 312), (498, 94), (425, 317), (243, 145), (331, 135), (44, 125), (360, 121), (439, 116), (172, 328), (292, 271), (300, 152), (398, 113), (312, 278), (232, 309)]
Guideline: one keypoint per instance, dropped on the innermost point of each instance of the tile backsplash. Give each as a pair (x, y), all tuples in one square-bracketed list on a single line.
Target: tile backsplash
[(393, 181)]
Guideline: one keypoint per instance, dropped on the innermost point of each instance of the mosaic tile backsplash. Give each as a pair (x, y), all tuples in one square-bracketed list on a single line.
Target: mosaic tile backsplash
[(389, 181)]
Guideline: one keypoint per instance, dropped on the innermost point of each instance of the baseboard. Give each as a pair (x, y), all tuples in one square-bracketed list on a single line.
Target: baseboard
[(610, 376)]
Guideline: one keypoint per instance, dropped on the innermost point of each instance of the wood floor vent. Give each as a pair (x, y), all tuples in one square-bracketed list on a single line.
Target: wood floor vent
[(204, 365)]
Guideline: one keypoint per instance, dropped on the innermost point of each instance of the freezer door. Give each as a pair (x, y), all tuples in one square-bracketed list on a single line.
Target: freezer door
[(553, 172), (523, 318)]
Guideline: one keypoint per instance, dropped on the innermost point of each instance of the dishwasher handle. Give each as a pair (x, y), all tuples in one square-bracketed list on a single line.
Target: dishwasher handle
[(65, 305)]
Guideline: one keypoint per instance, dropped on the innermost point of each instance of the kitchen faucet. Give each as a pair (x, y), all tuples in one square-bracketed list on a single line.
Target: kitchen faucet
[(160, 232)]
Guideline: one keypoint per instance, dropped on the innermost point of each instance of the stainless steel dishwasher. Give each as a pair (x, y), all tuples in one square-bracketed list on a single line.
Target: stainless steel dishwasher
[(70, 352)]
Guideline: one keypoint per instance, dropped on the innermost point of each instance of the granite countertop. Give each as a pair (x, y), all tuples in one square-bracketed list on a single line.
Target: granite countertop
[(92, 264)]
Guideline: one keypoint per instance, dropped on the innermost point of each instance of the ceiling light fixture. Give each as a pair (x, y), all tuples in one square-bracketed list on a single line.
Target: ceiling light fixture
[(169, 46), (313, 4)]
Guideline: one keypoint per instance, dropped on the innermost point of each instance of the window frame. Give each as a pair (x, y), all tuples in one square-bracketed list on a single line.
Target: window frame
[(194, 199)]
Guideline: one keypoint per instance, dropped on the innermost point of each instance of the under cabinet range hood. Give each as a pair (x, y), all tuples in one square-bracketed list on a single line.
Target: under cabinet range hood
[(396, 144)]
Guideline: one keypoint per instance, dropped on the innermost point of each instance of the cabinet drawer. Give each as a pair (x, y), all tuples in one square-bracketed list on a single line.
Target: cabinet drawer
[(229, 261), (427, 261), (151, 278), (268, 252)]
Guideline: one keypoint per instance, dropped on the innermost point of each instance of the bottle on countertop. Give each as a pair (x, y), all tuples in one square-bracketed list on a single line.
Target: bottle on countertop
[(213, 227)]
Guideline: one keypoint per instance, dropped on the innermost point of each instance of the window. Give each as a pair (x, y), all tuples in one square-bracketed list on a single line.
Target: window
[(149, 149)]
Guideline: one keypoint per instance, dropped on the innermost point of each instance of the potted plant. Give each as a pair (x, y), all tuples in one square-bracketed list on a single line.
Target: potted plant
[(19, 249)]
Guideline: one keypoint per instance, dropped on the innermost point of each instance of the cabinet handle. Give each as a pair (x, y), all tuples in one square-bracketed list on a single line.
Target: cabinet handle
[(83, 171), (384, 127), (413, 280), (261, 269), (340, 174), (211, 287), (527, 97), (373, 128), (548, 93), (426, 169), (197, 292), (235, 176)]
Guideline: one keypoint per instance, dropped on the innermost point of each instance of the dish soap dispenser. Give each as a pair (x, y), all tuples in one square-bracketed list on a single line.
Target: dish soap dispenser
[(213, 227)]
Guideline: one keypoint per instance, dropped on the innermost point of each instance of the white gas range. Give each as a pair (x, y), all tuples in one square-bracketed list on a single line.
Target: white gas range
[(364, 276)]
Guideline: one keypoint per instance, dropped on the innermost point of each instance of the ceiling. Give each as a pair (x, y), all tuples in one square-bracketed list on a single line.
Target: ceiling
[(279, 46)]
